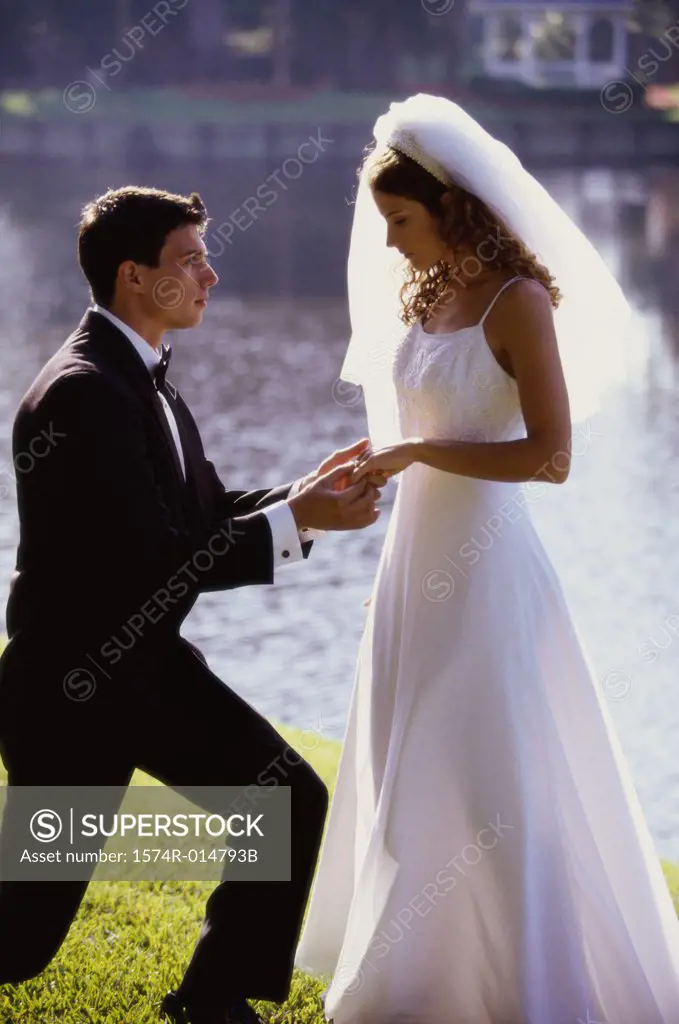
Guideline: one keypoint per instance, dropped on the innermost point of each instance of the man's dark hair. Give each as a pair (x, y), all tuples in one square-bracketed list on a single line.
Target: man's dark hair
[(130, 223)]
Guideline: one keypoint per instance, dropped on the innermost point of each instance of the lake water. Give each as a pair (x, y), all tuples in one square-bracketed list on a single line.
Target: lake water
[(259, 374)]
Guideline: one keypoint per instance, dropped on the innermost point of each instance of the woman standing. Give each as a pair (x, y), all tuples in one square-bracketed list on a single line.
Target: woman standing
[(486, 859)]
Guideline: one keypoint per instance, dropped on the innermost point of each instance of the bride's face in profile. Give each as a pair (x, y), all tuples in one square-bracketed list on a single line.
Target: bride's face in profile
[(411, 229)]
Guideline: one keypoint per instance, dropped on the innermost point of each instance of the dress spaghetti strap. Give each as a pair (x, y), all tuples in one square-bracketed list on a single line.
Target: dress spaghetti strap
[(498, 294)]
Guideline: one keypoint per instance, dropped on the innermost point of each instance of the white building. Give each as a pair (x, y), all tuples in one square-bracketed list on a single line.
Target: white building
[(573, 43)]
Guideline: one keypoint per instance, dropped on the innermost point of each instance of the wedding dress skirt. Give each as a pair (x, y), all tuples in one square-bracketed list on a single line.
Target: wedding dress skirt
[(486, 859)]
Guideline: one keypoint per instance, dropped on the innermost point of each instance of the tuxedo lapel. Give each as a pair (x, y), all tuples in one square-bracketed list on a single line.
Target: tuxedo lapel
[(191, 456), (161, 419), (118, 351)]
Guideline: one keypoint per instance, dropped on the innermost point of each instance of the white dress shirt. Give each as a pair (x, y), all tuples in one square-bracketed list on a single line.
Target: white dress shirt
[(286, 537)]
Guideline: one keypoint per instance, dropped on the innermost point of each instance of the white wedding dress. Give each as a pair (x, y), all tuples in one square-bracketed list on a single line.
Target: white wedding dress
[(486, 859)]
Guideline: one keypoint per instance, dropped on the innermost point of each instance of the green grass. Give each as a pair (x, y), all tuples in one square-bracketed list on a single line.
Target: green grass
[(129, 943)]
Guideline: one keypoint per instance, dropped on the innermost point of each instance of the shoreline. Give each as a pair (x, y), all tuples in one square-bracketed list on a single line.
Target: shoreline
[(84, 121)]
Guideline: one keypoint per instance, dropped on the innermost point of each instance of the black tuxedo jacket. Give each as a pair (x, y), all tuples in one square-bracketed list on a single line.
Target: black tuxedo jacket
[(113, 540)]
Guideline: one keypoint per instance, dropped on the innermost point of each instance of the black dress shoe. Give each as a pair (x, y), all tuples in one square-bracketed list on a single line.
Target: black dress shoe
[(178, 1012), (237, 1012), (173, 1008), (240, 1012)]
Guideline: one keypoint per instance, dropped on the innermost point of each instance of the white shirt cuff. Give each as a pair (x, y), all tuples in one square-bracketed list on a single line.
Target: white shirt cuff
[(287, 547), (306, 533)]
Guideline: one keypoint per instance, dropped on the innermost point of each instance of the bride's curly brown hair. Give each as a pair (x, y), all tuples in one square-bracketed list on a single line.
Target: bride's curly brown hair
[(464, 222)]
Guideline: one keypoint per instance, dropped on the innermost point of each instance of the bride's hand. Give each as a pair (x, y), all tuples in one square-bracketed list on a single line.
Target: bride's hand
[(386, 461)]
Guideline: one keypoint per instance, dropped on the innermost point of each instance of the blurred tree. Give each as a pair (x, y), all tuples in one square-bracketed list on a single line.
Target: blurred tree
[(654, 40), (653, 17), (34, 42), (281, 18), (122, 15), (358, 45), (205, 38), (15, 63), (350, 44)]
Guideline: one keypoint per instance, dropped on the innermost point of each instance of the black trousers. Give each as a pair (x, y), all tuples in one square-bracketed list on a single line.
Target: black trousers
[(169, 715)]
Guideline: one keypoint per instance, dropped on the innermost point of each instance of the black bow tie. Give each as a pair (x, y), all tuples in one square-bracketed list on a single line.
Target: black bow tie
[(160, 369)]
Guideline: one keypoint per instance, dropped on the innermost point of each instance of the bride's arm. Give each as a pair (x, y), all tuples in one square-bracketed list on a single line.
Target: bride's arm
[(509, 461), (522, 326)]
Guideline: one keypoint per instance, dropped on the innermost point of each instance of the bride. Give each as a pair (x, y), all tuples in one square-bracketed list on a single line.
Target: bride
[(486, 859)]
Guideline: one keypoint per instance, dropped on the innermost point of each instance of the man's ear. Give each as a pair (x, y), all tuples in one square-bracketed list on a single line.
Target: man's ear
[(129, 276)]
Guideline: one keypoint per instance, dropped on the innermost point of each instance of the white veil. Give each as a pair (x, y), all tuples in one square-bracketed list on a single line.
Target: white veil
[(454, 147)]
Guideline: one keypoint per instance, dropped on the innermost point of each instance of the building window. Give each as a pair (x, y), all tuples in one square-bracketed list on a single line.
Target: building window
[(602, 41), (554, 37), (509, 40)]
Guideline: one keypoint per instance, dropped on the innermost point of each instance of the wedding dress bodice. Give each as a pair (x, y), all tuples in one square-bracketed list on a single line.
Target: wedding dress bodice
[(451, 385)]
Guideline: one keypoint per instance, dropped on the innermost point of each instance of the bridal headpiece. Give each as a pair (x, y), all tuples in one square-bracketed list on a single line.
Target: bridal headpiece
[(405, 142), (453, 147)]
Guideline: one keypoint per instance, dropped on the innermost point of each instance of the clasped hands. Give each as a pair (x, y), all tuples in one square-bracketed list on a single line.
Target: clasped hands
[(385, 462), (360, 462), (341, 493)]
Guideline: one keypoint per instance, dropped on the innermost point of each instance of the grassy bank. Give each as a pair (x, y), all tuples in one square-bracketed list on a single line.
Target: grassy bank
[(130, 942)]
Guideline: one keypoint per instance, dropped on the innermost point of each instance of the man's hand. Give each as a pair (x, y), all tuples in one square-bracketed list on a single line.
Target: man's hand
[(340, 458), (343, 455), (328, 503)]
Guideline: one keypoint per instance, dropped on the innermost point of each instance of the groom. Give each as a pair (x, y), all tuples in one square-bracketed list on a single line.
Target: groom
[(123, 524)]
